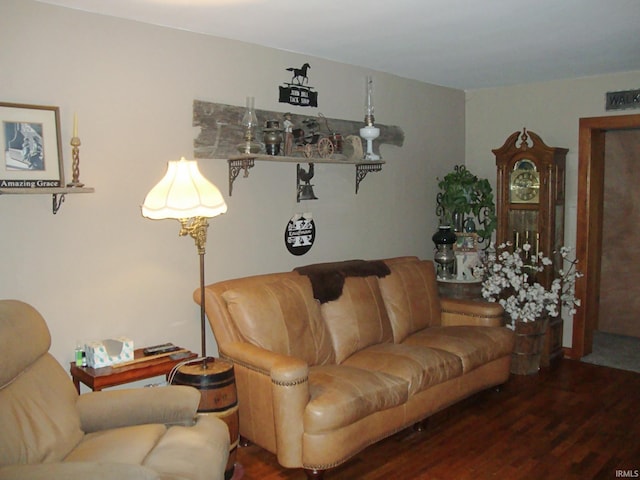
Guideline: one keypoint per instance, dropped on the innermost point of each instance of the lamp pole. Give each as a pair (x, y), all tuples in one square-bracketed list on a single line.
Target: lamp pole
[(196, 227)]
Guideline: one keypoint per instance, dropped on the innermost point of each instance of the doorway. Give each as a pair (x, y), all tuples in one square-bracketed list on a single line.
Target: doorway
[(620, 261), (591, 174)]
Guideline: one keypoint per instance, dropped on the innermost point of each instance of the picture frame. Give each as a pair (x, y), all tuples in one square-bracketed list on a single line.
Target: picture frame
[(31, 147), (466, 242), (466, 262)]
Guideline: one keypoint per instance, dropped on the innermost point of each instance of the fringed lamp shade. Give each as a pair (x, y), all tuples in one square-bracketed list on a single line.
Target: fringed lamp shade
[(183, 193)]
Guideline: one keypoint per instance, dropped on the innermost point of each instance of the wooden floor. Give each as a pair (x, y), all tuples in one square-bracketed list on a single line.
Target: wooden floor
[(576, 421)]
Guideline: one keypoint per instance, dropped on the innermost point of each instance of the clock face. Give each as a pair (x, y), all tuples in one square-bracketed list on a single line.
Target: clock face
[(525, 186)]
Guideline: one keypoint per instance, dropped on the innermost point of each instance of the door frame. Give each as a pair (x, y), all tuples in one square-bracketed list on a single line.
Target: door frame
[(591, 158)]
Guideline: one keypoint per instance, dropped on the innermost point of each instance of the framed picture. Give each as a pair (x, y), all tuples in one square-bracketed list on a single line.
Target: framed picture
[(31, 150), (466, 242), (466, 262)]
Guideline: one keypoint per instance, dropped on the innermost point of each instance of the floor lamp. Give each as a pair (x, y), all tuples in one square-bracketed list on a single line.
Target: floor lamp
[(186, 195)]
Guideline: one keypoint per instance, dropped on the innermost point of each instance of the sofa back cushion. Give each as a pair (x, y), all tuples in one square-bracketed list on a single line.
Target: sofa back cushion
[(283, 317), (410, 296), (358, 318)]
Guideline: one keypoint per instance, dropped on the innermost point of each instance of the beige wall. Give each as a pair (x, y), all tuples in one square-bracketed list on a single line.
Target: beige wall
[(98, 269), (552, 110)]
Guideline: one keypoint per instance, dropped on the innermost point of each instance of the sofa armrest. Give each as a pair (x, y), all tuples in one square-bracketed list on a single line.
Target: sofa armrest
[(471, 312), (285, 367), (285, 380), (77, 470), (174, 404)]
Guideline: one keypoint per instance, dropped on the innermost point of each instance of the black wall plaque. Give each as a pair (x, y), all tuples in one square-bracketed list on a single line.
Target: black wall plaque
[(297, 91), (300, 96), (623, 100), (300, 234)]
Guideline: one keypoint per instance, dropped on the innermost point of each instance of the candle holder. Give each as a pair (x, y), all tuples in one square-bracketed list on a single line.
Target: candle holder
[(75, 155)]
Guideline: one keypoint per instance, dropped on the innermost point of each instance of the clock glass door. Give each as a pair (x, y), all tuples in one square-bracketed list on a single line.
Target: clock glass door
[(523, 225)]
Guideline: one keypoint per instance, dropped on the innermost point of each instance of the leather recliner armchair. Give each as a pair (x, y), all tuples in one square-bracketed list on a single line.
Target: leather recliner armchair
[(49, 431)]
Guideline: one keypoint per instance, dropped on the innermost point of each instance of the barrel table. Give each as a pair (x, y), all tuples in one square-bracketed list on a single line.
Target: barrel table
[(216, 381)]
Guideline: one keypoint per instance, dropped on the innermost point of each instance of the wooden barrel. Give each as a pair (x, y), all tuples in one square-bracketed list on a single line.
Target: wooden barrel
[(525, 359), (217, 387), (465, 290)]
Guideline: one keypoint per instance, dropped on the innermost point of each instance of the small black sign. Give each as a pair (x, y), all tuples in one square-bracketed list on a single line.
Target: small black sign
[(300, 234), (297, 91), (623, 100)]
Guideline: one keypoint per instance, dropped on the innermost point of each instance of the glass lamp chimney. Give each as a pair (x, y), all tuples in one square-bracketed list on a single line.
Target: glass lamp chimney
[(368, 114), (249, 120)]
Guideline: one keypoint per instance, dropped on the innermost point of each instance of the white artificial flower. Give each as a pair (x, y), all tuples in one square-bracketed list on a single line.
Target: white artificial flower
[(510, 280)]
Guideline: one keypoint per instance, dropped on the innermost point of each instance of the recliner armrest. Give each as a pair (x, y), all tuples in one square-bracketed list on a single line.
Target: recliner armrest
[(174, 404), (471, 312), (77, 470)]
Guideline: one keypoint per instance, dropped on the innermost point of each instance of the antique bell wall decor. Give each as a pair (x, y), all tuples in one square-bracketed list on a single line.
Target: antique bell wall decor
[(304, 190)]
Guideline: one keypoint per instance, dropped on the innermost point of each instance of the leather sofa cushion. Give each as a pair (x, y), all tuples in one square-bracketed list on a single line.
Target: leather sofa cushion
[(342, 395), (282, 317), (411, 296), (358, 318), (474, 345), (421, 367)]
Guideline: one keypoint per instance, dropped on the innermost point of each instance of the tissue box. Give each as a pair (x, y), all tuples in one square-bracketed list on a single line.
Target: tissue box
[(104, 353)]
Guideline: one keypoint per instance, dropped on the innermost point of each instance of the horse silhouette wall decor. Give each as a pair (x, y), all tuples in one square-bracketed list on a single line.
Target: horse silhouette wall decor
[(297, 91)]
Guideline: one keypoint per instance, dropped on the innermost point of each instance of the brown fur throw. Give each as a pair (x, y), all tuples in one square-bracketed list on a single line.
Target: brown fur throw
[(327, 279)]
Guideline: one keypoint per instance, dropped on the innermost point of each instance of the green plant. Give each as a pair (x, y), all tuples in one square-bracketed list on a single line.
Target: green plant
[(463, 193)]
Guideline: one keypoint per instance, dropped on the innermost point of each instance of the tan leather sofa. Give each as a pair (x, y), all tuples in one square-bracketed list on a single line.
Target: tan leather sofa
[(318, 382), (48, 431)]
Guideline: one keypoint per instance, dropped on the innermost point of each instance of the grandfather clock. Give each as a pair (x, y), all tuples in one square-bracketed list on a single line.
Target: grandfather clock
[(530, 209)]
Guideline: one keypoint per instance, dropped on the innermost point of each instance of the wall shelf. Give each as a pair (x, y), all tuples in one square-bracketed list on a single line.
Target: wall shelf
[(238, 163), (58, 193)]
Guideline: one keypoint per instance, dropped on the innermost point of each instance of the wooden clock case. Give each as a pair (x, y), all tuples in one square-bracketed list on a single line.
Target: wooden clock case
[(533, 213)]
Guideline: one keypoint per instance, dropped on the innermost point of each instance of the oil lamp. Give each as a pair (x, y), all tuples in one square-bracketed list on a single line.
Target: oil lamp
[(369, 132)]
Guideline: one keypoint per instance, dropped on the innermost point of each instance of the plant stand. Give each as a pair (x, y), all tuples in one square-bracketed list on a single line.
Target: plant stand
[(525, 359)]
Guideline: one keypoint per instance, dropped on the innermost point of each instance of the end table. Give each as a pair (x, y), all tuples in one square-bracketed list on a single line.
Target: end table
[(142, 367)]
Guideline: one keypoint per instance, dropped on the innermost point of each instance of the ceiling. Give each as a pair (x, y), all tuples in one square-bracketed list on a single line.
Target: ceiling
[(464, 44)]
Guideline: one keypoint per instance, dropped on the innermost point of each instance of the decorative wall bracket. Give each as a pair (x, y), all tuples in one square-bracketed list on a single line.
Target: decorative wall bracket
[(57, 202), (363, 168), (235, 166)]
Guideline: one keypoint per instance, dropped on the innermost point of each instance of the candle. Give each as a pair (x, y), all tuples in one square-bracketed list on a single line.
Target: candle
[(75, 125)]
